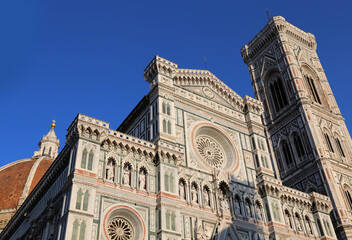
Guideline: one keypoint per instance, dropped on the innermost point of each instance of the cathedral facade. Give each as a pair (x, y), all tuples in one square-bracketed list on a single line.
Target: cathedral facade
[(194, 160)]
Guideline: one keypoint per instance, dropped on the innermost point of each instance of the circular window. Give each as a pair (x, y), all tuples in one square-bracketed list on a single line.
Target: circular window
[(213, 147), (122, 222), (120, 229), (210, 151)]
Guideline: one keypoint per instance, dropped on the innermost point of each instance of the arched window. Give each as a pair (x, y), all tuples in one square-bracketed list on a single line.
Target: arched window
[(164, 126), (79, 199), (164, 107), (287, 154), (85, 201), (75, 230), (168, 216), (278, 94), (173, 221), (43, 151), (312, 89), (348, 196), (84, 158), (168, 127), (321, 232), (257, 161), (166, 181), (298, 145), (82, 231), (90, 160), (328, 142), (49, 154), (171, 182), (168, 109), (339, 147), (253, 143)]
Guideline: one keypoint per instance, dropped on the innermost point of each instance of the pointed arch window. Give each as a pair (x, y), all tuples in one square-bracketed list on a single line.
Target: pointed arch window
[(85, 201), (75, 230), (287, 154), (339, 147), (298, 145), (82, 231), (164, 126), (348, 196), (312, 89), (164, 107), (84, 158), (168, 127), (173, 221), (168, 112), (328, 142), (90, 160), (79, 199), (278, 94)]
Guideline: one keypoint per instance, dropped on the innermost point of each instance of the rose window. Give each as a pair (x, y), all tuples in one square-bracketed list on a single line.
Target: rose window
[(210, 151), (120, 229)]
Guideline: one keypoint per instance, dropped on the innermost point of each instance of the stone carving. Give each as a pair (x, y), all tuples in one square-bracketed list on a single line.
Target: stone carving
[(120, 228), (210, 151), (142, 180), (194, 194), (238, 207)]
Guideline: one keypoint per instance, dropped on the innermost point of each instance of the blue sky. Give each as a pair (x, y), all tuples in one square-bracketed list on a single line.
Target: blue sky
[(60, 58)]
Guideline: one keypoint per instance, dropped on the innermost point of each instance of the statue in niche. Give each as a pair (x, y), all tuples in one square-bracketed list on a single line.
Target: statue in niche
[(126, 175), (182, 189), (224, 205), (258, 213), (310, 231), (298, 223), (248, 208), (142, 180), (287, 219), (238, 207), (194, 194), (110, 170), (206, 198)]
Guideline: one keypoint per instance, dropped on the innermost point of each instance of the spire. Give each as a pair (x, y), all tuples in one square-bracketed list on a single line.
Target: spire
[(49, 145)]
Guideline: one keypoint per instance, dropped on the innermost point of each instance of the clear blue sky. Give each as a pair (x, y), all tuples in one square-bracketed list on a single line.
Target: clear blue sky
[(60, 58)]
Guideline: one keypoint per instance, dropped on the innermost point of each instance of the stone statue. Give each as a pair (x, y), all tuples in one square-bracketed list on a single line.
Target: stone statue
[(287, 218), (258, 213), (224, 205), (298, 223), (182, 191), (249, 211), (109, 173), (237, 207), (142, 184), (194, 195), (310, 231), (126, 176), (206, 198)]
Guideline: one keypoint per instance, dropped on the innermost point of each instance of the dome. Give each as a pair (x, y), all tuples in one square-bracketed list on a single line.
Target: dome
[(18, 180)]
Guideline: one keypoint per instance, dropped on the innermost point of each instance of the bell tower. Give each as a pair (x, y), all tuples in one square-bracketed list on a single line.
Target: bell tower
[(310, 141)]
